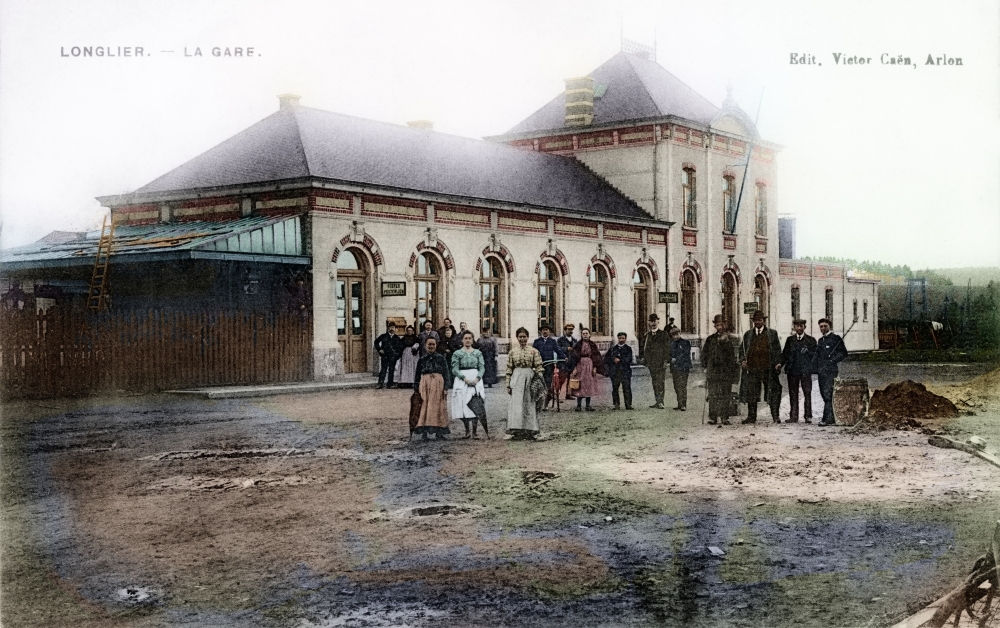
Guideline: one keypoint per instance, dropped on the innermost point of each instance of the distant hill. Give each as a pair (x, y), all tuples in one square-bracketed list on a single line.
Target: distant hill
[(980, 275)]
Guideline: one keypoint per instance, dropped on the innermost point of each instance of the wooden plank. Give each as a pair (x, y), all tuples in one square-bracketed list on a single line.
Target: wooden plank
[(948, 443)]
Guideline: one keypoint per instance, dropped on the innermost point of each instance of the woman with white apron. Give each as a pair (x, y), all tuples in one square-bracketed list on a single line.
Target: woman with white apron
[(468, 366)]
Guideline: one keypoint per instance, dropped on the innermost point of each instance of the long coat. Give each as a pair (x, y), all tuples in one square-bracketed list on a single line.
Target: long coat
[(774, 359)]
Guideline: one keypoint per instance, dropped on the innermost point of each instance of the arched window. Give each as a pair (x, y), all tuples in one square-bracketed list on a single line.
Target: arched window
[(548, 295), (796, 303), (428, 280), (829, 305), (491, 293), (760, 295), (729, 204), (642, 290), (761, 210), (597, 291), (688, 302), (688, 191), (729, 300)]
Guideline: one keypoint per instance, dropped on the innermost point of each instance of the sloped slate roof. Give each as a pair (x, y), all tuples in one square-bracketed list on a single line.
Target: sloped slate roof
[(637, 89), (301, 142)]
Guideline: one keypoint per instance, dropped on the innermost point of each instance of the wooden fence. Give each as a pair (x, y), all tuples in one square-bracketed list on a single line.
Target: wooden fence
[(62, 353)]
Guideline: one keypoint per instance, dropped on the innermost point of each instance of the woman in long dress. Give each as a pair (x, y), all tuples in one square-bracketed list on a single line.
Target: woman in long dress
[(487, 345), (406, 367), (523, 362), (431, 374), (588, 365), (467, 368)]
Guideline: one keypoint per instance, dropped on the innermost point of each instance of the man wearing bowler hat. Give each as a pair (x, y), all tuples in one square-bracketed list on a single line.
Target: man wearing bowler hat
[(654, 352), (799, 357), (760, 359), (718, 356)]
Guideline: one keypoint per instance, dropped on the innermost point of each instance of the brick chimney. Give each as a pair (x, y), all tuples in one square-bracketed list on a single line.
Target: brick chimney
[(423, 125), (288, 100), (580, 101)]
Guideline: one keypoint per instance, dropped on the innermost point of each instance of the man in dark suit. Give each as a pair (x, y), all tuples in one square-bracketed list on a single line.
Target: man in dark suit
[(566, 342), (760, 359), (549, 348), (680, 366), (718, 356), (798, 358), (618, 362), (830, 351), (389, 347), (654, 352)]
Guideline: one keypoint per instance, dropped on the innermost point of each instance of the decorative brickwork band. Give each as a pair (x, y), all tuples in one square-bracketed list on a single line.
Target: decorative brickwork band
[(607, 261), (649, 265), (439, 247), (692, 265), (367, 243)]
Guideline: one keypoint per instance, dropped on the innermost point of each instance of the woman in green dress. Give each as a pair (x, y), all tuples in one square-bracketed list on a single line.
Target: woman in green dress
[(467, 368)]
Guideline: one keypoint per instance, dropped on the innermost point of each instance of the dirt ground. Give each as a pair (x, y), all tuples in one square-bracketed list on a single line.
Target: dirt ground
[(317, 511)]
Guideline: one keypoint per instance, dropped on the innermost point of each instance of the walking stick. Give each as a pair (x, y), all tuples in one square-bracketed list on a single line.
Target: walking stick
[(704, 408)]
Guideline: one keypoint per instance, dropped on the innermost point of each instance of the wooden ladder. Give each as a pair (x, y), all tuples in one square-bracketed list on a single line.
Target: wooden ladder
[(97, 298)]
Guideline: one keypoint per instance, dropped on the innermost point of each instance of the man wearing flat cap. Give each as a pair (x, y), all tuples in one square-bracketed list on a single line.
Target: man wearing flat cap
[(760, 359), (654, 352)]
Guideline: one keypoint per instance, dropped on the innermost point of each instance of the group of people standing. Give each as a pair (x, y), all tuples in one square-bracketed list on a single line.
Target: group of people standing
[(756, 362), (398, 355), (443, 362)]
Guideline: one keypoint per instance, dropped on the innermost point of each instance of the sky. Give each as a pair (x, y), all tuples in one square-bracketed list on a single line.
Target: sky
[(899, 164)]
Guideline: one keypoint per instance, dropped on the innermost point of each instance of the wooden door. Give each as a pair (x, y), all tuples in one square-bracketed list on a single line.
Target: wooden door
[(352, 323)]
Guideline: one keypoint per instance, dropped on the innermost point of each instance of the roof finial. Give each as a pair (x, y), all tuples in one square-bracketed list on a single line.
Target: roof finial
[(729, 102)]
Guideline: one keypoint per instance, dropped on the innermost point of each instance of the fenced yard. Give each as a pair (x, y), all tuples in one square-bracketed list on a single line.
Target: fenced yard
[(60, 353)]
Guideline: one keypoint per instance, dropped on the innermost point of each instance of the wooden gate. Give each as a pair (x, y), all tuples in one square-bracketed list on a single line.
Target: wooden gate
[(61, 353)]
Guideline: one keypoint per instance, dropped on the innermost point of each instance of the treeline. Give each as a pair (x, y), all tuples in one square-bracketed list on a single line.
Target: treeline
[(888, 270)]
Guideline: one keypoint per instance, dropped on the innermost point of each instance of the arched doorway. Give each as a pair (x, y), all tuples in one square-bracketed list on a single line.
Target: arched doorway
[(429, 296), (760, 295), (548, 295), (353, 310), (689, 302), (491, 296), (641, 282), (729, 301)]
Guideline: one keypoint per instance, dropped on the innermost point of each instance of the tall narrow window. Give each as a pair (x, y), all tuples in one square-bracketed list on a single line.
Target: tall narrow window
[(548, 295), (491, 285), (796, 303), (427, 278), (641, 283), (829, 305), (688, 302), (598, 296), (762, 210), (688, 191), (729, 203), (729, 300), (855, 319), (865, 310)]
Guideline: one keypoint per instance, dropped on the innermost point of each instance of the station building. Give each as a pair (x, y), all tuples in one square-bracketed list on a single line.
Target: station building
[(626, 194)]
